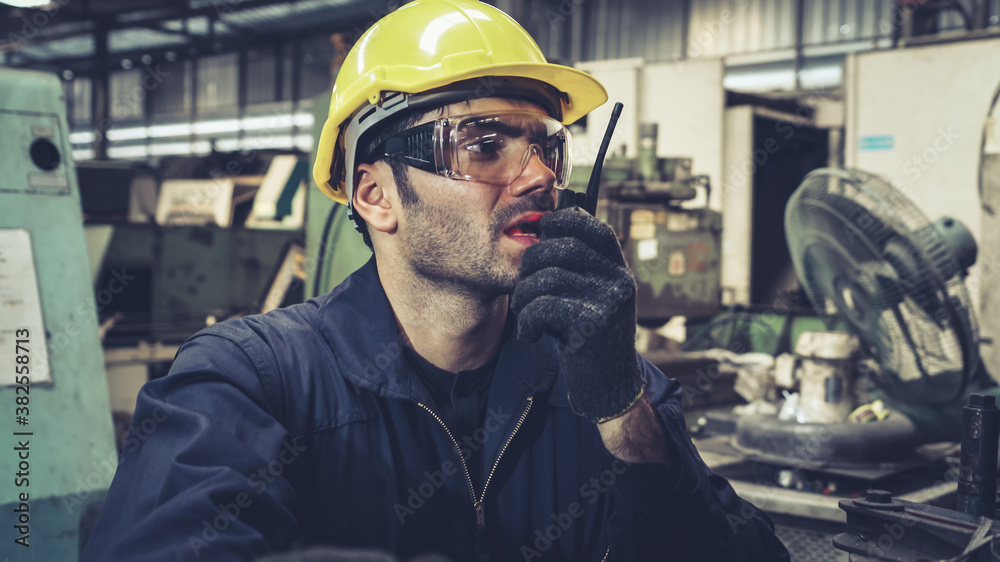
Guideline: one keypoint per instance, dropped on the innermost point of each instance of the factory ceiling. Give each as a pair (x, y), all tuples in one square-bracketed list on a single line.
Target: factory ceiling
[(88, 36)]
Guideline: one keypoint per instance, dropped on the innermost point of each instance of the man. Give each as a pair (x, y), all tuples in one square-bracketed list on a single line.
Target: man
[(474, 390)]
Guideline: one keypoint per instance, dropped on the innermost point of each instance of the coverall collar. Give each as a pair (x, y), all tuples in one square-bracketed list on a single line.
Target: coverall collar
[(371, 355)]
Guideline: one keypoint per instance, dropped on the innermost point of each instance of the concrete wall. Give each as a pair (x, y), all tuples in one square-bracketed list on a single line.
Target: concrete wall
[(684, 98), (737, 205)]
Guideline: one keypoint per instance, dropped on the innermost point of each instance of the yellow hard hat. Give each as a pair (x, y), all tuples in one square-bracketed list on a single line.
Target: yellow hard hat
[(429, 44)]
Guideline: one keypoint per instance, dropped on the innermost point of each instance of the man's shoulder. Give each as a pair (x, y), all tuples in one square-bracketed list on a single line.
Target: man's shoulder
[(291, 359), (294, 326)]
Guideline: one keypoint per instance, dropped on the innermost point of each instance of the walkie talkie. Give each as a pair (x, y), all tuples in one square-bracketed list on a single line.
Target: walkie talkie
[(588, 201)]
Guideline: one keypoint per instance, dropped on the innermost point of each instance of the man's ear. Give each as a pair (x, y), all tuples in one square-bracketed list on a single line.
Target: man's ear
[(372, 196)]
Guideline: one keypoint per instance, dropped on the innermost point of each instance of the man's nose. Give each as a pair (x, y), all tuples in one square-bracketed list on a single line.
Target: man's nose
[(535, 175)]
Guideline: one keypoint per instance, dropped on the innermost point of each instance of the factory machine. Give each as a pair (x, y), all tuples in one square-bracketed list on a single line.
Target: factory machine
[(883, 527), (864, 410), (866, 407), (55, 411), (672, 247)]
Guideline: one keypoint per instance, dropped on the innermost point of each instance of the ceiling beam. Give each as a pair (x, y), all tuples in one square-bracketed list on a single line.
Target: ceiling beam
[(86, 65), (16, 20)]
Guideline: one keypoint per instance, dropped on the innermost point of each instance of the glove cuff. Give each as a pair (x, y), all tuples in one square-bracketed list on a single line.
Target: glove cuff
[(610, 402)]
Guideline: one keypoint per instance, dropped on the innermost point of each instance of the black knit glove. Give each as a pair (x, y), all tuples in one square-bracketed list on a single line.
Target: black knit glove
[(576, 287)]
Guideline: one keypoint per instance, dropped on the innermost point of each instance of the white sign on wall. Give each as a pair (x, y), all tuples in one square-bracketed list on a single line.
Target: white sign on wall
[(20, 310)]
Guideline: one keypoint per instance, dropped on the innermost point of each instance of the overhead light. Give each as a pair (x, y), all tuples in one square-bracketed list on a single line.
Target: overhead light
[(81, 137), (130, 133), (26, 3)]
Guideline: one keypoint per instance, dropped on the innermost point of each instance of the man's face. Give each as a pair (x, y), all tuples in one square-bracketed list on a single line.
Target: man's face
[(469, 234)]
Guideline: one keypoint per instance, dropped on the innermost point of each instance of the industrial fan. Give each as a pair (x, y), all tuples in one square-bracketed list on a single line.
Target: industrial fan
[(863, 251)]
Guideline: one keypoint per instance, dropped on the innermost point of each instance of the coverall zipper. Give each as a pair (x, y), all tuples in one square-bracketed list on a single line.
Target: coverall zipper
[(477, 504)]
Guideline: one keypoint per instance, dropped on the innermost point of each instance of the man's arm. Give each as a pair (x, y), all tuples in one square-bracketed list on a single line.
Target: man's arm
[(193, 481), (668, 504), (577, 287), (635, 436)]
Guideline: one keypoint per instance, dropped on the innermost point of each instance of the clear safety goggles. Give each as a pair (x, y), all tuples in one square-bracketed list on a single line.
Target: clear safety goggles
[(491, 147)]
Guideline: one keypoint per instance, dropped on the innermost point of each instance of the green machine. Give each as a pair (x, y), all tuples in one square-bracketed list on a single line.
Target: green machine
[(674, 250), (57, 452), (333, 247)]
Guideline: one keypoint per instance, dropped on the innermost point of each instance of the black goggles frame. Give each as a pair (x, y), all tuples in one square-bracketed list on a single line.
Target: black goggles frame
[(413, 147)]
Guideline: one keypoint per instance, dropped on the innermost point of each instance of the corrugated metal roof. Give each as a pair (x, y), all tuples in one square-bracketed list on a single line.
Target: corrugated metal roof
[(137, 39), (570, 31), (289, 13), (69, 47)]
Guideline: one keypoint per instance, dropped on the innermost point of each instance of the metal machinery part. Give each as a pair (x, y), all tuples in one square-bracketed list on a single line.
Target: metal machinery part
[(920, 18), (866, 253), (977, 482), (673, 250), (183, 274), (179, 275), (334, 249), (826, 376), (71, 450), (882, 528)]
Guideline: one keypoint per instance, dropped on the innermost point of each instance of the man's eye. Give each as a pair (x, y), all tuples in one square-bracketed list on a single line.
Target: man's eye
[(485, 147)]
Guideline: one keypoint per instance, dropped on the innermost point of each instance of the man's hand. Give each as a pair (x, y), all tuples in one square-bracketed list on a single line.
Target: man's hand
[(576, 286)]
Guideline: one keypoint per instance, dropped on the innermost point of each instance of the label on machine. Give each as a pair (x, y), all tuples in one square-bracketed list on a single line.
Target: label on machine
[(21, 306), (44, 170)]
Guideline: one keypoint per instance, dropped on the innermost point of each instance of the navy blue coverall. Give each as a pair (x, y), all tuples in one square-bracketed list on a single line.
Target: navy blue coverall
[(307, 426)]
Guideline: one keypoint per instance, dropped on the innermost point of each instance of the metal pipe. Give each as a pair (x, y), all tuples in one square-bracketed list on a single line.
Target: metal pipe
[(980, 14), (800, 17), (977, 474), (647, 151), (100, 102)]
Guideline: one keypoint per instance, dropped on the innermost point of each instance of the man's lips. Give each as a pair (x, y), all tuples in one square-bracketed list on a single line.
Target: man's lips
[(525, 229)]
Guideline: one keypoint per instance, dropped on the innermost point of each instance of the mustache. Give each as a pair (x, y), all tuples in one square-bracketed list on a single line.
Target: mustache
[(536, 202)]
